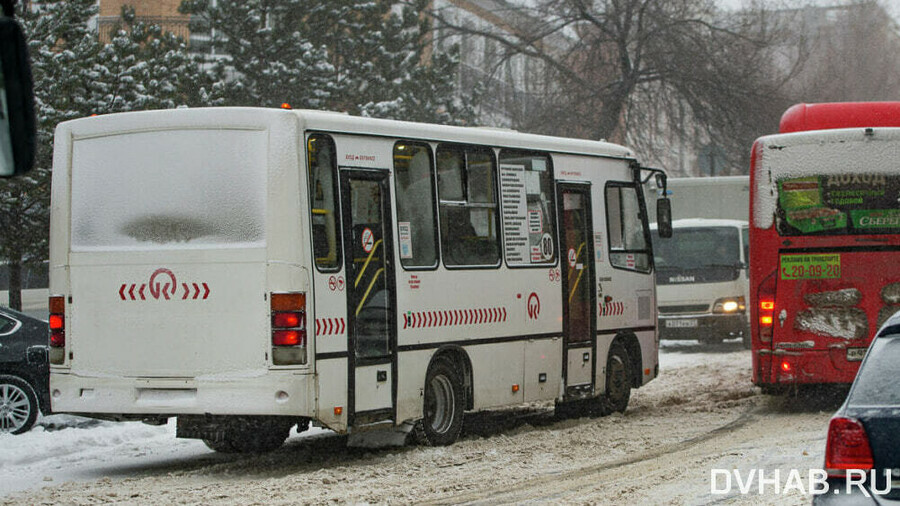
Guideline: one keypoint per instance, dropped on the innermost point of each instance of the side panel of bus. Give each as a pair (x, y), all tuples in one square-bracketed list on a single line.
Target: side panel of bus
[(625, 290), (503, 321)]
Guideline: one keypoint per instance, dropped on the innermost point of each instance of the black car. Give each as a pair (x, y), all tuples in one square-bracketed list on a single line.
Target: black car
[(24, 371), (863, 443)]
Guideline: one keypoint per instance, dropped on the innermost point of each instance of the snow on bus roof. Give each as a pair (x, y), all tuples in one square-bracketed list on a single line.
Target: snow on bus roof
[(820, 152), (329, 121)]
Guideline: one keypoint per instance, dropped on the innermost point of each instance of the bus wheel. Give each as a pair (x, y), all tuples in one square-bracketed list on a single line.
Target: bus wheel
[(618, 378), (444, 405), (250, 436)]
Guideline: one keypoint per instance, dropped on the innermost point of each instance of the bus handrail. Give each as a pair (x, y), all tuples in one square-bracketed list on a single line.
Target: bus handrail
[(366, 265)]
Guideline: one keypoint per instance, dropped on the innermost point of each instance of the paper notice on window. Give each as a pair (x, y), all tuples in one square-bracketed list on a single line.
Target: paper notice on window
[(404, 232), (515, 227)]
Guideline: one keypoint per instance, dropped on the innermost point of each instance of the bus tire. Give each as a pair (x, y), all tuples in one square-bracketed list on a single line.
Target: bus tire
[(18, 405), (618, 379), (443, 406)]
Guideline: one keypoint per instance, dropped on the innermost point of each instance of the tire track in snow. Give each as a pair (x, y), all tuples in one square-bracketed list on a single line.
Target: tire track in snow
[(553, 487)]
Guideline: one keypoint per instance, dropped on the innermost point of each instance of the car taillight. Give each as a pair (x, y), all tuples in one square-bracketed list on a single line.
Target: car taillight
[(847, 447), (766, 309), (57, 323), (288, 328)]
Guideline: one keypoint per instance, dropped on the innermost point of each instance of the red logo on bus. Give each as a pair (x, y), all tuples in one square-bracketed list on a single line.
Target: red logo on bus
[(163, 284), (534, 306)]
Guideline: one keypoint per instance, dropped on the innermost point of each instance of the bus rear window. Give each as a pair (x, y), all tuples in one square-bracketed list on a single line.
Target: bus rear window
[(169, 189), (838, 205)]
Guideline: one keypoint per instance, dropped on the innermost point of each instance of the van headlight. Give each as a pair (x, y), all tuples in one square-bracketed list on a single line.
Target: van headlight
[(728, 305)]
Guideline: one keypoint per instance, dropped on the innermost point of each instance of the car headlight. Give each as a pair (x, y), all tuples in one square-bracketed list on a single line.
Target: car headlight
[(730, 305)]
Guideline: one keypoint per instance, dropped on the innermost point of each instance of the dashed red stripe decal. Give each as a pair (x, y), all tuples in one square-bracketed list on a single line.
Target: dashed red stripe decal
[(330, 326), (453, 317), (612, 309)]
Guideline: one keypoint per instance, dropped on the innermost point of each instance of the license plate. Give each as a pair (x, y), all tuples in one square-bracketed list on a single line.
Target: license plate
[(681, 324), (856, 354)]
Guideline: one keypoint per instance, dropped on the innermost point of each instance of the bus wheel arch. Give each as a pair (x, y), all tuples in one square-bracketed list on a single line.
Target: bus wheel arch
[(445, 398), (633, 347), (620, 373)]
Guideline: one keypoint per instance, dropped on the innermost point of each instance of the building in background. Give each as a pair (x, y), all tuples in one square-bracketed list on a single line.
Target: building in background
[(159, 12)]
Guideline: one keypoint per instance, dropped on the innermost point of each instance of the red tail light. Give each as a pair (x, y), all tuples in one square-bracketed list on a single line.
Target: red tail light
[(288, 328), (288, 338), (57, 321), (847, 447), (766, 298)]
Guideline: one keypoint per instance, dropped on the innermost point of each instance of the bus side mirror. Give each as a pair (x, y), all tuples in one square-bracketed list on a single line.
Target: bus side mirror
[(661, 181), (664, 217), (17, 120)]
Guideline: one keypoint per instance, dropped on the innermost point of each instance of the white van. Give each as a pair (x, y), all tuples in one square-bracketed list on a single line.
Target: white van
[(702, 280)]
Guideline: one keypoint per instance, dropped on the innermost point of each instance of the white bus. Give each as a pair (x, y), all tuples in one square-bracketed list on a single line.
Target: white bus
[(247, 270)]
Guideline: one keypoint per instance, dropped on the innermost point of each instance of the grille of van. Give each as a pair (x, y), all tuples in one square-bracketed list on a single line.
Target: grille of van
[(688, 308)]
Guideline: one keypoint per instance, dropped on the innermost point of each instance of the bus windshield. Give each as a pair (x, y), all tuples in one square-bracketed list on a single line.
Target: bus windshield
[(697, 255), (844, 204)]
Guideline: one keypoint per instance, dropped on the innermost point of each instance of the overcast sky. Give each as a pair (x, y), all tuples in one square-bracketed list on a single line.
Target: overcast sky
[(892, 6)]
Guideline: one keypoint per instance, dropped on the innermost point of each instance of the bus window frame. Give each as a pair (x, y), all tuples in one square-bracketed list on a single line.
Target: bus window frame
[(435, 205), (645, 224), (464, 149), (338, 217), (552, 206)]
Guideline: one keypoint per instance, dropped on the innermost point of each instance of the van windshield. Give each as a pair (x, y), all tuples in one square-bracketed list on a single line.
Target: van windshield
[(697, 255), (169, 189)]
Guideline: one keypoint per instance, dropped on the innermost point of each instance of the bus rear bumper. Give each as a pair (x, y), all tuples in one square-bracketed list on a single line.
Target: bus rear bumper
[(806, 367), (285, 393)]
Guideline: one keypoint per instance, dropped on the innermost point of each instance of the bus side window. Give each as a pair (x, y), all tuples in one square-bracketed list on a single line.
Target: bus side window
[(526, 177), (414, 183), (628, 248), (468, 206), (323, 201)]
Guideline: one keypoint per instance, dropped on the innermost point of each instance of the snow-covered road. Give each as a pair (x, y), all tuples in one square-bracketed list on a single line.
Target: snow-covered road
[(701, 414)]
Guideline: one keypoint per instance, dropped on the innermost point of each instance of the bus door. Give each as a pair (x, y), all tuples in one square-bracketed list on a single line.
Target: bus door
[(371, 299), (579, 323)]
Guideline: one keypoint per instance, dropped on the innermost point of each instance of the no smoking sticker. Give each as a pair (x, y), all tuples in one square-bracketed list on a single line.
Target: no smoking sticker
[(368, 240)]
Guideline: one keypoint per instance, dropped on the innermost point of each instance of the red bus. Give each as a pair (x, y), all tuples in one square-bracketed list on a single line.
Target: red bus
[(824, 240)]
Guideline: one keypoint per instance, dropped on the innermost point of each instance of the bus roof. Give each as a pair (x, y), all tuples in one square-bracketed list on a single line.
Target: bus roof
[(344, 123), (827, 116), (704, 222), (334, 122)]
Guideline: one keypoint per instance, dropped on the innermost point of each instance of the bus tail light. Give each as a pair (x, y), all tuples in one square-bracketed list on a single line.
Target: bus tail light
[(847, 447), (288, 312), (766, 298), (57, 321)]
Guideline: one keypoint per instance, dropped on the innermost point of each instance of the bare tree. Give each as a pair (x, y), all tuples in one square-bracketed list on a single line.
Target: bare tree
[(632, 70), (855, 53)]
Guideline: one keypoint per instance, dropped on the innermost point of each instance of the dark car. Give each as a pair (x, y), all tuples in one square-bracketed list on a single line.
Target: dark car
[(864, 435), (24, 371)]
